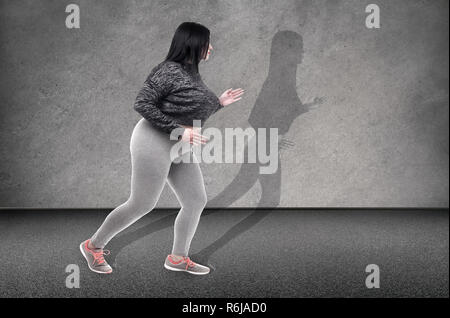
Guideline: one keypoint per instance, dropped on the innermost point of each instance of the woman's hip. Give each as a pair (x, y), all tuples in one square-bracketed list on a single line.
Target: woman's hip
[(146, 136)]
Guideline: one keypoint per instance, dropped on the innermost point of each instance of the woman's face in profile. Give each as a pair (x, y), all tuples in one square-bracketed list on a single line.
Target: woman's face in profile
[(209, 52)]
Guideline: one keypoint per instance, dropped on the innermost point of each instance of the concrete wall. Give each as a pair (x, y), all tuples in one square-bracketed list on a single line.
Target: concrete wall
[(379, 139)]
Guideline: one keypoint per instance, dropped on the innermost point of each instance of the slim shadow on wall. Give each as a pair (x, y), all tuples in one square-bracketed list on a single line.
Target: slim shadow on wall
[(276, 106)]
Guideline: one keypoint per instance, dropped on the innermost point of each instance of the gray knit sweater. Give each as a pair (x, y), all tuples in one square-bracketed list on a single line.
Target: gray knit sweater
[(174, 94)]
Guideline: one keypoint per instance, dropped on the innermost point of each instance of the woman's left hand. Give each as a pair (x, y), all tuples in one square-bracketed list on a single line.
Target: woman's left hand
[(230, 96)]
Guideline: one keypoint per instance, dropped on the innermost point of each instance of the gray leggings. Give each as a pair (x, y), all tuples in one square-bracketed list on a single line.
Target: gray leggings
[(151, 167)]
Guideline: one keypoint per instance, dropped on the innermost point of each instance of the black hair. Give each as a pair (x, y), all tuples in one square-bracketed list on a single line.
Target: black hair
[(190, 44)]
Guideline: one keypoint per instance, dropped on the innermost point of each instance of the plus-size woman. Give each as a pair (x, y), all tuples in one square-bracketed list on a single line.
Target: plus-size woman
[(172, 97)]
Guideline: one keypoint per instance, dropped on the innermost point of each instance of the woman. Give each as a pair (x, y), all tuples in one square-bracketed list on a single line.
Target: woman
[(173, 96)]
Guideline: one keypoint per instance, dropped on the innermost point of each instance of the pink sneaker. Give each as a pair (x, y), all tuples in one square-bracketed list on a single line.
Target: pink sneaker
[(185, 265), (95, 259)]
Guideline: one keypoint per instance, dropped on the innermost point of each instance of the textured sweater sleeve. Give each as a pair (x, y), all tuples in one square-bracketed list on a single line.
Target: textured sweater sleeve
[(157, 85), (219, 105)]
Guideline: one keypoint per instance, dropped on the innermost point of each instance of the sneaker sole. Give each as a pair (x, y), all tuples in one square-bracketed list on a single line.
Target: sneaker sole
[(182, 270), (89, 265)]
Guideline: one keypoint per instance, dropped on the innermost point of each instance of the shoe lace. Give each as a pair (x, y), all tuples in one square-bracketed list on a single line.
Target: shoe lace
[(99, 256), (188, 261)]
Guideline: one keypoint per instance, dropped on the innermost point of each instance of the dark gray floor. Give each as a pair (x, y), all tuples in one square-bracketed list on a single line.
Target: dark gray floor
[(264, 253)]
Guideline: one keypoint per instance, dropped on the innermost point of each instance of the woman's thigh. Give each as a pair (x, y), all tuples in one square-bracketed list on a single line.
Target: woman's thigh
[(150, 160), (186, 180)]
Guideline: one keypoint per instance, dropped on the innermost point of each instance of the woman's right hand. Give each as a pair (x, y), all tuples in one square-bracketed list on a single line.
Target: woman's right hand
[(192, 136)]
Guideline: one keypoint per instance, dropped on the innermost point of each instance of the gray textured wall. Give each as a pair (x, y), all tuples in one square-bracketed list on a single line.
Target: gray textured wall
[(379, 139)]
